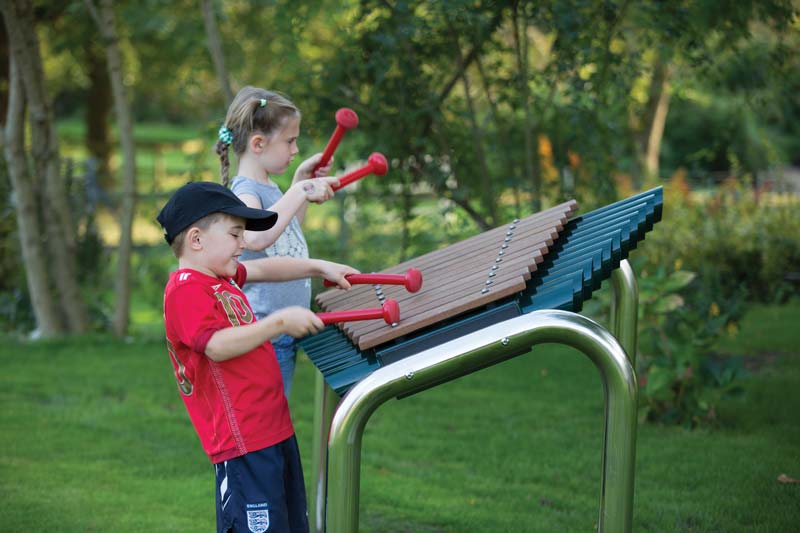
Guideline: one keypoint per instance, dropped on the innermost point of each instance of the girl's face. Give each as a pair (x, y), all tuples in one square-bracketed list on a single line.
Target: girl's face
[(280, 148)]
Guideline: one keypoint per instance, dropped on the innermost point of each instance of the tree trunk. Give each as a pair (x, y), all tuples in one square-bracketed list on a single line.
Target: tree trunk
[(59, 228), (33, 253), (105, 22), (521, 51), (5, 68), (98, 107), (656, 117), (489, 200), (215, 48)]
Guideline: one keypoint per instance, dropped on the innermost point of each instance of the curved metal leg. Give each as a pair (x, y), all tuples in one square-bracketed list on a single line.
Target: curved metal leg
[(625, 308), (325, 402), (477, 350)]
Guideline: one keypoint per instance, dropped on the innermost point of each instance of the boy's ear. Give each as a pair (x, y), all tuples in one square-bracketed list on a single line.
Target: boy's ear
[(193, 238)]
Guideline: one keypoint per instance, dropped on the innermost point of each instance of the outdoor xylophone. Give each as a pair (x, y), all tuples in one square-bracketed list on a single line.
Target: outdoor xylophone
[(550, 260)]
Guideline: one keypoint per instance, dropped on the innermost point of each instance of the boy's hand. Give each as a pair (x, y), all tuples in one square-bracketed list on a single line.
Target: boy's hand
[(297, 321), (336, 273)]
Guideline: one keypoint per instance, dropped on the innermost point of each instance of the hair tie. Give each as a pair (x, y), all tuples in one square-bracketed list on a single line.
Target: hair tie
[(225, 135), (262, 102)]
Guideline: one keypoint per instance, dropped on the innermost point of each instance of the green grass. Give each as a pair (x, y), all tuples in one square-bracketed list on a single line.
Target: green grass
[(95, 438)]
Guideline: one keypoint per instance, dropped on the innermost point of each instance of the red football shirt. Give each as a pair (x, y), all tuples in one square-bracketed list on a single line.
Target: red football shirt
[(236, 406)]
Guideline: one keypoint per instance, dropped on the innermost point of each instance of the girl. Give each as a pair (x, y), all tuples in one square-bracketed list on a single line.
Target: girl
[(262, 127)]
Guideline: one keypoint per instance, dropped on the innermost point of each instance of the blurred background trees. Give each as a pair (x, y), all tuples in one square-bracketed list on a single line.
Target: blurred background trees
[(487, 110)]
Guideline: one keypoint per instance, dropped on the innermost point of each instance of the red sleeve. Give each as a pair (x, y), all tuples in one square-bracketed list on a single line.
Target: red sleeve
[(194, 315), (241, 275)]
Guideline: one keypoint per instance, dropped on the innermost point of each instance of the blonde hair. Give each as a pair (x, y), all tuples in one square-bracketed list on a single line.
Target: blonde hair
[(253, 110)]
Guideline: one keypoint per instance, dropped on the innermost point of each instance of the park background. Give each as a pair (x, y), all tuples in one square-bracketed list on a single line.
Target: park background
[(487, 111)]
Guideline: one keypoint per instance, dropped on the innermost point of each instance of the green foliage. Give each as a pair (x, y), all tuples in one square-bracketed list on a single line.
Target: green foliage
[(708, 256), (736, 241), (682, 382)]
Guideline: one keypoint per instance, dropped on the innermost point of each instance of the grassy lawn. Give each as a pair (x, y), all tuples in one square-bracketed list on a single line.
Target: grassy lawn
[(95, 438)]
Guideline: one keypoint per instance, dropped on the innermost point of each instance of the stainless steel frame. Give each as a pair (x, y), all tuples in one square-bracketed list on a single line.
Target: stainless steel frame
[(341, 428)]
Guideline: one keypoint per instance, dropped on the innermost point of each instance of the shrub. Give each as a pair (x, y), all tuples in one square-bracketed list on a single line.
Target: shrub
[(732, 238), (681, 318), (711, 254)]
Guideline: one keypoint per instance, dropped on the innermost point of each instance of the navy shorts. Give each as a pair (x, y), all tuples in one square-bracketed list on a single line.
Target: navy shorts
[(262, 491)]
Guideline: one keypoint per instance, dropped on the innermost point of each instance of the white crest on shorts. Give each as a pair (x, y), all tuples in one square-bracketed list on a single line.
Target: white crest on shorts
[(258, 520)]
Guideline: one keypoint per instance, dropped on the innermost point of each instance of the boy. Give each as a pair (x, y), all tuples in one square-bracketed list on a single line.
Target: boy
[(226, 369)]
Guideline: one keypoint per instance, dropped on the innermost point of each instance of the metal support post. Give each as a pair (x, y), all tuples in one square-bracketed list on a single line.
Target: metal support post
[(625, 308), (325, 402), (474, 351)]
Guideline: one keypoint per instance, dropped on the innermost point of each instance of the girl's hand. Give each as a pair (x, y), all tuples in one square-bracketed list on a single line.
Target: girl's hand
[(303, 171), (336, 273), (318, 190), (297, 321)]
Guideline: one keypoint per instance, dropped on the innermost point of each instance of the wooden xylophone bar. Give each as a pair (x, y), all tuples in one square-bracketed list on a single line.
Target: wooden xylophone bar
[(444, 292), (558, 265), (527, 243), (447, 300), (473, 245)]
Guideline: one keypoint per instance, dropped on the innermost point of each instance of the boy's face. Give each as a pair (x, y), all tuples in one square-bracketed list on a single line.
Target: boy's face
[(223, 243), (281, 147)]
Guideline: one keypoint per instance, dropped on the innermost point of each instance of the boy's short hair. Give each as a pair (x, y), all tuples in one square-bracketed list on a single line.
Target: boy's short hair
[(198, 199), (204, 223)]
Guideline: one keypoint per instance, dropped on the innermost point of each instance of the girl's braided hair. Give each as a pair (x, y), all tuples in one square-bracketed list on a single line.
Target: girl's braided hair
[(253, 110)]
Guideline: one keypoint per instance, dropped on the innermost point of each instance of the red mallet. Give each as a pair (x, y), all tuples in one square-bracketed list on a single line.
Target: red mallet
[(346, 119), (376, 164), (412, 279), (390, 313)]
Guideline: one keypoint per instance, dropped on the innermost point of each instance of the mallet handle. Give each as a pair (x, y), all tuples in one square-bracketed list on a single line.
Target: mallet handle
[(376, 164), (345, 119), (412, 279), (390, 313)]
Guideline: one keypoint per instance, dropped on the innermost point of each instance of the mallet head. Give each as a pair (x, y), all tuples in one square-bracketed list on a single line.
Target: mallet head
[(346, 118), (379, 163), (413, 280), (391, 312)]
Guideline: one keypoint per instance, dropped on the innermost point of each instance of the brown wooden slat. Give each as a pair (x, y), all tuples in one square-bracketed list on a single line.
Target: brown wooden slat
[(453, 278), (476, 273), (431, 317), (452, 255), (440, 277), (434, 263), (442, 302), (471, 244)]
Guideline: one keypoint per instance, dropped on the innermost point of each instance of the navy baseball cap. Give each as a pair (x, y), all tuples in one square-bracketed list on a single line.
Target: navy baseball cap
[(197, 199)]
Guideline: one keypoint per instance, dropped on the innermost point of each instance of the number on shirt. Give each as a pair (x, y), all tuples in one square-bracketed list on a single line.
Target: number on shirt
[(183, 382)]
